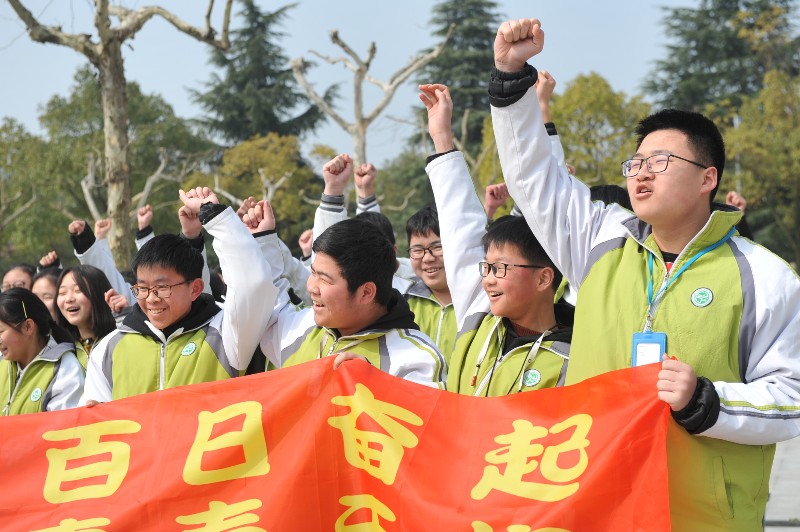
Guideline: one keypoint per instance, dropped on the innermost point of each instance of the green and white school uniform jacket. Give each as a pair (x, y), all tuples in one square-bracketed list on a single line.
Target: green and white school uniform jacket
[(488, 359), (393, 343), (434, 319), (734, 316), (53, 380), (208, 344)]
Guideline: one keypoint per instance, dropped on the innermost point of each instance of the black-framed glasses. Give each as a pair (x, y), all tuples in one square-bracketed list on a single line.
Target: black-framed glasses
[(655, 164), (417, 252), (499, 269), (161, 291)]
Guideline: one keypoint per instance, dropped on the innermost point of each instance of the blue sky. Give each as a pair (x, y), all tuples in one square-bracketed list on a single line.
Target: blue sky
[(581, 36)]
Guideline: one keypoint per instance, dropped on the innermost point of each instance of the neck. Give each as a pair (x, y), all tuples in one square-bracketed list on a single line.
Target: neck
[(541, 318), (366, 317), (674, 238), (37, 348), (85, 333), (442, 296)]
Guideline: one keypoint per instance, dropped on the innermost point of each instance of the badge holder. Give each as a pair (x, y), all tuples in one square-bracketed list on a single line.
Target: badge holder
[(648, 348)]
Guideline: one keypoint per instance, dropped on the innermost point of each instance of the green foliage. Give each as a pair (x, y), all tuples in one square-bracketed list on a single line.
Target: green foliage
[(720, 52), (596, 127), (464, 63), (395, 182), (256, 94), (766, 145), (274, 156), (56, 164)]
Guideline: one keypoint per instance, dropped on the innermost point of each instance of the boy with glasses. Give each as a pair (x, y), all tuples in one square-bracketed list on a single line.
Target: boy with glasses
[(429, 298), (502, 282), (675, 278), (177, 334)]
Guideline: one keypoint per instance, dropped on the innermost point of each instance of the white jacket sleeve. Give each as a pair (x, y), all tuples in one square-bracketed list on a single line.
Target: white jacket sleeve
[(98, 386), (462, 224), (67, 387), (100, 256), (250, 294), (766, 408), (557, 206)]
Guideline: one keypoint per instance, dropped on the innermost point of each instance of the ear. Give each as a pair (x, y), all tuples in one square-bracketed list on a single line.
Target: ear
[(29, 327), (196, 287), (546, 278), (367, 292), (710, 180)]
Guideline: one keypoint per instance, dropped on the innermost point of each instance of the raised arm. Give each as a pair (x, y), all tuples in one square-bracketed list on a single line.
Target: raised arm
[(96, 252), (462, 220), (336, 173), (364, 176)]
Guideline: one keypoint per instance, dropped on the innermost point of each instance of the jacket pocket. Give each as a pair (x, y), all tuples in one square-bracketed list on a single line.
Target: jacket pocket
[(722, 488)]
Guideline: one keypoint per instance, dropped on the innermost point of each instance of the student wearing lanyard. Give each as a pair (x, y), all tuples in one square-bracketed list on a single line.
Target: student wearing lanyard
[(725, 316)]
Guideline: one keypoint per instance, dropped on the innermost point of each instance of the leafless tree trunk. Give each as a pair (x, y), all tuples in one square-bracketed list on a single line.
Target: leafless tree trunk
[(105, 53), (360, 68)]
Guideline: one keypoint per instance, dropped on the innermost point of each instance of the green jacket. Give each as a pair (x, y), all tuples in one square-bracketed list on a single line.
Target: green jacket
[(53, 380), (137, 358), (434, 319), (734, 316), (490, 360)]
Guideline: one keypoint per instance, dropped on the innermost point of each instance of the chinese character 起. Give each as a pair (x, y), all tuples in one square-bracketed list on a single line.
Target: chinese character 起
[(222, 517), (250, 439), (376, 453), (89, 445), (519, 453), (354, 503)]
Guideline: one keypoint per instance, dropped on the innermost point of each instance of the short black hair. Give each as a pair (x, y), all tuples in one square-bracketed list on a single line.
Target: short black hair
[(609, 194), (170, 252), (29, 269), (704, 136), (19, 304), (362, 253), (380, 221), (93, 284), (422, 222), (514, 230)]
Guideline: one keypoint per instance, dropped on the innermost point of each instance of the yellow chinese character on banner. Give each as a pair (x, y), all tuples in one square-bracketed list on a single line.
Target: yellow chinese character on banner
[(518, 456), (222, 517), (89, 445), (250, 439), (354, 503), (73, 525), (376, 453), (478, 526)]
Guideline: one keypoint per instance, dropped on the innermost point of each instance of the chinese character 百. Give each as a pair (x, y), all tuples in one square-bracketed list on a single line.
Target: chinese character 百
[(376, 509), (376, 453), (518, 455), (89, 445), (249, 439)]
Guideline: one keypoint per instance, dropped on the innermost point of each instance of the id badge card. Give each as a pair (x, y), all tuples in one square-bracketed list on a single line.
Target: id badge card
[(648, 348)]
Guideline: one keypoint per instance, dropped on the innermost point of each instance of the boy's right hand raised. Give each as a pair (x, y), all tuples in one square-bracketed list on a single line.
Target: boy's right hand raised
[(516, 42), (337, 173)]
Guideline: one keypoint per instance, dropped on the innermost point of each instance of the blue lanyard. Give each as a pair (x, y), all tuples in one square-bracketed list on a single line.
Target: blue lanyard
[(652, 300)]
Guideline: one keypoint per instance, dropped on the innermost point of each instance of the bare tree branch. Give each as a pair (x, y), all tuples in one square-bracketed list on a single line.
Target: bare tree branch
[(19, 211), (81, 43), (89, 183), (398, 208), (310, 201), (299, 67), (131, 21), (224, 193), (270, 187)]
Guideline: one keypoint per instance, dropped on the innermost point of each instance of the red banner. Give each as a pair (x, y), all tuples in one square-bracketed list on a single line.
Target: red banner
[(308, 448)]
